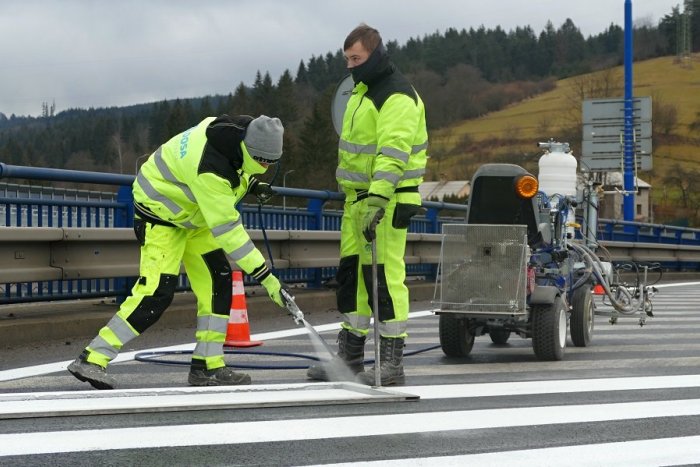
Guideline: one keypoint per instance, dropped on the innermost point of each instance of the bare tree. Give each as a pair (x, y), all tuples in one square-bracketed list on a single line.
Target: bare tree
[(602, 84), (664, 116)]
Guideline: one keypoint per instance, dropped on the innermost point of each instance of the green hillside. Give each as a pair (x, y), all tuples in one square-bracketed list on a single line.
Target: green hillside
[(510, 135)]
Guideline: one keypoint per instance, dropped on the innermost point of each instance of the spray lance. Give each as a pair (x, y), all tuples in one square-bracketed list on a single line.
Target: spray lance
[(264, 193)]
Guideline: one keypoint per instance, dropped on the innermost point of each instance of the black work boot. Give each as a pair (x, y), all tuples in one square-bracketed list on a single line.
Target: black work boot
[(223, 376), (91, 372), (351, 355), (390, 364)]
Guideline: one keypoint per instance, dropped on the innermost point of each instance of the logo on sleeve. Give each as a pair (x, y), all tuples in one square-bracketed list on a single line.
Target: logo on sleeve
[(183, 142)]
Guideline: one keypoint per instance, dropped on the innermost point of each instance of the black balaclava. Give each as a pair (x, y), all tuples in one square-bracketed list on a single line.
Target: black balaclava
[(376, 66)]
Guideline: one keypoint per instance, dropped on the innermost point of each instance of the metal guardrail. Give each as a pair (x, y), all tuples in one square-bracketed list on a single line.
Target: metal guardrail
[(54, 253), (625, 231), (68, 248), (66, 280), (46, 254)]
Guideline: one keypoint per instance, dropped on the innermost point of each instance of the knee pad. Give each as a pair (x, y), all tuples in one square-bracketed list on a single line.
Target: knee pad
[(151, 308), (386, 304), (220, 271), (346, 294)]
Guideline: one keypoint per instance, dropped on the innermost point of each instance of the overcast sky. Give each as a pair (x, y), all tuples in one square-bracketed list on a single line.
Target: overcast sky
[(99, 53)]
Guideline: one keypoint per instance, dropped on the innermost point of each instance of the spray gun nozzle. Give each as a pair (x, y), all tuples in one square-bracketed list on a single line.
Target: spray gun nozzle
[(292, 307)]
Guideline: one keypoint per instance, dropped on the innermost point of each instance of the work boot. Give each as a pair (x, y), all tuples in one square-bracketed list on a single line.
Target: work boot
[(91, 372), (351, 354), (223, 376), (390, 364)]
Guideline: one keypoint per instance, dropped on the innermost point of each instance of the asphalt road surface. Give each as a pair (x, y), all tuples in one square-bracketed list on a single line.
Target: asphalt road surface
[(631, 398)]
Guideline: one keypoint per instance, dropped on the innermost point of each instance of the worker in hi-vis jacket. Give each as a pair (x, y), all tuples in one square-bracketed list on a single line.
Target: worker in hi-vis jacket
[(381, 162), (185, 198)]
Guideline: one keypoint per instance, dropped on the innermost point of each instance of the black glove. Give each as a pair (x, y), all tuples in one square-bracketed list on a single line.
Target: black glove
[(263, 191), (372, 214)]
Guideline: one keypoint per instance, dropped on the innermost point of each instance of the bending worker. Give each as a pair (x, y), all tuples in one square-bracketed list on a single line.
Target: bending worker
[(185, 196), (382, 157)]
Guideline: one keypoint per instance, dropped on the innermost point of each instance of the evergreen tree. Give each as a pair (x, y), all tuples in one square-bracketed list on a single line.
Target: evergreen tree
[(302, 75), (287, 109), (176, 121), (318, 147)]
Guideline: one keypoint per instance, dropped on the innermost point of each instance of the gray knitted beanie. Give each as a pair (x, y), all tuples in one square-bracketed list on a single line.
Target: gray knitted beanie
[(263, 139)]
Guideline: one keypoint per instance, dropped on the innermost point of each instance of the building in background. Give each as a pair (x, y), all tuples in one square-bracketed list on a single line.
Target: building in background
[(611, 204), (437, 191)]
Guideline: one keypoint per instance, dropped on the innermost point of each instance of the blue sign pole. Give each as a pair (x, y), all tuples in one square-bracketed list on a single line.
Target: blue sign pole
[(628, 198)]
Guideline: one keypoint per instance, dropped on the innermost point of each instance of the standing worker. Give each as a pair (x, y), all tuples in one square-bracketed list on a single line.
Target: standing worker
[(382, 157), (185, 198)]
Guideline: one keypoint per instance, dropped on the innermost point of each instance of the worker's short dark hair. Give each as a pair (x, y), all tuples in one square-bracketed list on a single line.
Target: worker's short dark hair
[(368, 37)]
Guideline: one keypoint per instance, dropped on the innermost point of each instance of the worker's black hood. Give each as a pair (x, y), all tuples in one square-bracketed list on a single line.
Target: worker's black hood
[(225, 134), (375, 68)]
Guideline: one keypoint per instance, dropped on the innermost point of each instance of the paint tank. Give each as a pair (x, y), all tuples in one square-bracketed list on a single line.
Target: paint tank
[(557, 174)]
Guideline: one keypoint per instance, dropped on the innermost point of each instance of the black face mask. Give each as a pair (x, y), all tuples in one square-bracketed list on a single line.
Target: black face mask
[(375, 64)]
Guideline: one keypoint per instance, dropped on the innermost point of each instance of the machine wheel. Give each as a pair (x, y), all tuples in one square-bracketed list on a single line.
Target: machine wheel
[(455, 337), (549, 330), (582, 317), (499, 336)]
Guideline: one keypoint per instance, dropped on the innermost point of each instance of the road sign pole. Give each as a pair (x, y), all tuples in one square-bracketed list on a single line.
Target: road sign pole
[(628, 198)]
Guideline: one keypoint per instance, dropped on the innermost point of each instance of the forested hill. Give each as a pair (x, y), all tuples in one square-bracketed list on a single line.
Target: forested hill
[(460, 74)]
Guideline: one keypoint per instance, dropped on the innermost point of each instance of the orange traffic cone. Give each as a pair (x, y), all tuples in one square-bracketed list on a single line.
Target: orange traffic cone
[(598, 289), (238, 330)]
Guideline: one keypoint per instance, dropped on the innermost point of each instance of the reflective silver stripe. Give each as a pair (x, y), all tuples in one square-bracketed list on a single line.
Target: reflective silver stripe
[(395, 153), (416, 173), (188, 225), (351, 176), (229, 226), (218, 323), (241, 252), (393, 328), (419, 147), (155, 195), (388, 176), (122, 330), (356, 321), (208, 349), (357, 148), (101, 346), (168, 175)]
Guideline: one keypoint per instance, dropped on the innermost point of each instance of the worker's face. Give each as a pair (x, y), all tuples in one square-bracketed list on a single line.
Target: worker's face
[(356, 55)]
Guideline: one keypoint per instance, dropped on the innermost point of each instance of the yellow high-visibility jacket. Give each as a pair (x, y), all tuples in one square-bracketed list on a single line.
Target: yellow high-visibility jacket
[(196, 179), (384, 140)]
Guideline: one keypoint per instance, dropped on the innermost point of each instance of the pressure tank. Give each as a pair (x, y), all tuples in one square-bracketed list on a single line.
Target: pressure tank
[(557, 170)]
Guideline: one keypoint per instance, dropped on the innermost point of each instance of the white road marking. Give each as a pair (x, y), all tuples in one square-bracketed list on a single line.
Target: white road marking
[(65, 403), (268, 431), (70, 402), (643, 453)]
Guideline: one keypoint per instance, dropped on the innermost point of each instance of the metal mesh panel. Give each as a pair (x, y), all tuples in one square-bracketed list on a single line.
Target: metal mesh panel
[(483, 268)]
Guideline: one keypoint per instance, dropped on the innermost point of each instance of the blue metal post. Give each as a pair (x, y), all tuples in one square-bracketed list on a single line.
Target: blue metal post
[(124, 218), (628, 199), (315, 207), (433, 217)]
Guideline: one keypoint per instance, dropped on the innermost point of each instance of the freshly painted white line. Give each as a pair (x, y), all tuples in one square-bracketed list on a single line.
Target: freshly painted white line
[(679, 284), (448, 391), (333, 427), (37, 370), (100, 402), (276, 394), (643, 453)]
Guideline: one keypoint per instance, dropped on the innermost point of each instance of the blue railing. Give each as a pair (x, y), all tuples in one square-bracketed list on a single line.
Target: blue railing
[(638, 232), (82, 208), (43, 211)]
